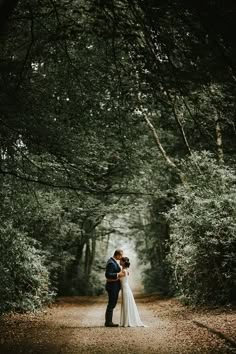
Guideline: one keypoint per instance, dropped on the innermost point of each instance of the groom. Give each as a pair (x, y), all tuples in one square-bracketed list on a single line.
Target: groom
[(113, 274)]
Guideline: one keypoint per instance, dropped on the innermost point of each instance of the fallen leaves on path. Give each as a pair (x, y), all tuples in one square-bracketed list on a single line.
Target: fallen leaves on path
[(76, 325)]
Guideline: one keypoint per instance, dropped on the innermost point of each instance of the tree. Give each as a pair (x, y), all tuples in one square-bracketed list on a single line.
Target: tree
[(101, 100)]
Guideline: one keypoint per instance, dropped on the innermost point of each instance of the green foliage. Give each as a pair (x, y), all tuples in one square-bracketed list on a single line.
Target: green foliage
[(152, 245), (203, 232), (73, 79), (24, 278), (156, 278)]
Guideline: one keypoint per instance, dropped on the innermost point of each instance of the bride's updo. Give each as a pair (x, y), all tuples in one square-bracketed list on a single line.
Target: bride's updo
[(126, 261)]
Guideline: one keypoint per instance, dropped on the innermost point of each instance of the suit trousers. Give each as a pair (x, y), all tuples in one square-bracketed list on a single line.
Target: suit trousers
[(112, 289)]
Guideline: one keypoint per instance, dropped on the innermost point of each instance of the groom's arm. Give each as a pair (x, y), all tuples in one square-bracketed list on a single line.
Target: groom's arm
[(110, 272)]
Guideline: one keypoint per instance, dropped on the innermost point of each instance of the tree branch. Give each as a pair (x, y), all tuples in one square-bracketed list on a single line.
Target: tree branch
[(71, 187)]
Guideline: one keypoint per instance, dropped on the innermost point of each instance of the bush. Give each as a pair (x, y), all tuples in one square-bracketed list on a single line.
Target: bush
[(24, 278), (157, 279), (203, 233)]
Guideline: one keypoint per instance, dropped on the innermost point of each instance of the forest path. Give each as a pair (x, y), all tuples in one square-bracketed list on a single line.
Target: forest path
[(76, 325)]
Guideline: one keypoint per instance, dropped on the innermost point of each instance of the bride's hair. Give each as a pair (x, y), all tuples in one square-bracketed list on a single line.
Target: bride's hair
[(126, 261)]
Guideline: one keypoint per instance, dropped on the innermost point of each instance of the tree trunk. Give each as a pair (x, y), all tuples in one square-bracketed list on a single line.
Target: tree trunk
[(162, 150), (219, 143), (179, 124)]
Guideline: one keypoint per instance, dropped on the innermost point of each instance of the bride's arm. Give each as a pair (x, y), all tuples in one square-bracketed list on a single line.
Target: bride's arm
[(121, 274)]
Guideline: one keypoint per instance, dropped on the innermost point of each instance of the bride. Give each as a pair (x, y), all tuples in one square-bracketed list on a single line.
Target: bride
[(129, 313)]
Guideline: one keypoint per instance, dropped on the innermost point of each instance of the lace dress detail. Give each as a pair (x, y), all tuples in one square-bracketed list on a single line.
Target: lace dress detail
[(129, 313)]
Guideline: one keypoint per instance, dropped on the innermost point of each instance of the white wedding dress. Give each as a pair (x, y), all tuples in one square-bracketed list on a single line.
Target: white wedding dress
[(129, 316)]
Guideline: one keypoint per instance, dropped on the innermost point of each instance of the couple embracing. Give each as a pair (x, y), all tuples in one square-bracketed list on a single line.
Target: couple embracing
[(117, 279)]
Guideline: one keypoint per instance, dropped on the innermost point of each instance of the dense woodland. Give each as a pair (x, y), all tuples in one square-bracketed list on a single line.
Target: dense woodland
[(117, 107)]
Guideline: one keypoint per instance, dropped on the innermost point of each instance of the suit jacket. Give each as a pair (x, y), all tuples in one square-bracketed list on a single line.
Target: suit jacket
[(112, 268)]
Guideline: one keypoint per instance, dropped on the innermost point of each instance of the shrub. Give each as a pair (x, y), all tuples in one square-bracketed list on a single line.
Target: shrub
[(203, 233), (24, 278)]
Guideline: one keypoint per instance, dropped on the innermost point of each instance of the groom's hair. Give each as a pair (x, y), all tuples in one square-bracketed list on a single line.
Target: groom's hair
[(118, 253)]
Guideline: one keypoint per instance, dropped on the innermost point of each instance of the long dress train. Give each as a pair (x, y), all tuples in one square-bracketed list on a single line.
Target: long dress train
[(129, 316)]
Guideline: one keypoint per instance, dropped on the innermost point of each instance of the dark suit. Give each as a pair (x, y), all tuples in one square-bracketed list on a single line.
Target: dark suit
[(113, 288)]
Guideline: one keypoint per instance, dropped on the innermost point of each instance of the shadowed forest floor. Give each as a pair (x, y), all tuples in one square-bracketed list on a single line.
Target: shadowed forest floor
[(76, 325)]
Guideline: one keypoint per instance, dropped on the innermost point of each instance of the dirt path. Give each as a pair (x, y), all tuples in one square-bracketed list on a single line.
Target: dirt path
[(76, 326)]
